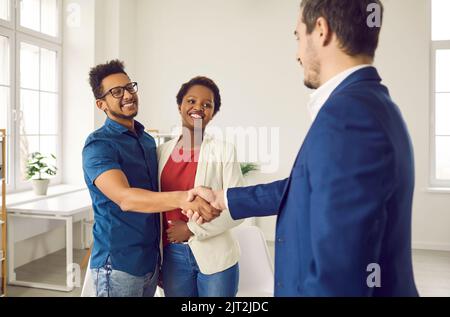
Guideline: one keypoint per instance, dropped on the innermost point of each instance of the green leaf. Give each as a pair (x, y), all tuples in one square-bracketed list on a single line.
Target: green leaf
[(38, 164), (246, 168)]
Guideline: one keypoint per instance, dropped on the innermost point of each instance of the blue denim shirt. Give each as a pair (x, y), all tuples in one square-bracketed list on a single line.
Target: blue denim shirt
[(130, 239)]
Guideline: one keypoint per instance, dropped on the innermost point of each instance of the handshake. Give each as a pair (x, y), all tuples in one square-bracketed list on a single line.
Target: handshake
[(203, 204)]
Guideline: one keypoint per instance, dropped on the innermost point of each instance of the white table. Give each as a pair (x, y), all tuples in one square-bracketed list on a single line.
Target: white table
[(69, 208)]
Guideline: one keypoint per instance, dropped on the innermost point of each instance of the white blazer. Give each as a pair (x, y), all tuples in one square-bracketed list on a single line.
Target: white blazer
[(214, 247)]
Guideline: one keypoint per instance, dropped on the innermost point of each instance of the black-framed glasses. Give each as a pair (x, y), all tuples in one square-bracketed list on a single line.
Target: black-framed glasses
[(118, 92)]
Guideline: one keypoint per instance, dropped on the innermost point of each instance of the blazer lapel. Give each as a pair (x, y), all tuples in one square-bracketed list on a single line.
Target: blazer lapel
[(164, 157)]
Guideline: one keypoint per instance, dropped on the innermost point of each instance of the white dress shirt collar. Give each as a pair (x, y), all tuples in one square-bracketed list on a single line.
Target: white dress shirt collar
[(321, 95)]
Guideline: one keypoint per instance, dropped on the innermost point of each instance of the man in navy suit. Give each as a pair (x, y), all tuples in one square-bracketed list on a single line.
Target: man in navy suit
[(344, 214)]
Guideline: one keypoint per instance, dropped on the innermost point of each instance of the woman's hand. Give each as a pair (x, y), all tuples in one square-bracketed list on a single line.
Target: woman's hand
[(178, 232)]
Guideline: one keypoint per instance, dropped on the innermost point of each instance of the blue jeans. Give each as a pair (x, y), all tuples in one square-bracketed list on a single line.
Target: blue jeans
[(182, 277), (112, 283)]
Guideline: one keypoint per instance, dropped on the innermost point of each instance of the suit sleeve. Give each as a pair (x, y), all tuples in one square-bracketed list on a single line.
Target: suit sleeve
[(232, 177), (256, 201), (350, 165)]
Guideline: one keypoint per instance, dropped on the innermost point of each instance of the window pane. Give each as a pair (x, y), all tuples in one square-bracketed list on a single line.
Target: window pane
[(4, 60), (441, 22), (28, 145), (29, 107), (29, 66), (29, 14), (4, 9), (49, 17), (48, 146), (49, 113), (443, 70), (443, 158), (4, 106), (443, 114), (48, 70)]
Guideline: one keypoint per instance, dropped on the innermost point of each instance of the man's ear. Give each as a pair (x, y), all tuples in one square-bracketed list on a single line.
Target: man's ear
[(179, 108), (101, 104), (323, 30)]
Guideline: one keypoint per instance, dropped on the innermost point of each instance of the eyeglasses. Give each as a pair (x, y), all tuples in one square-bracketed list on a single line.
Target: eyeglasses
[(118, 92)]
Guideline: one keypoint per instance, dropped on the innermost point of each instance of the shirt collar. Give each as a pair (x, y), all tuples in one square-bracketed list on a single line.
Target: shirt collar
[(321, 95), (121, 129)]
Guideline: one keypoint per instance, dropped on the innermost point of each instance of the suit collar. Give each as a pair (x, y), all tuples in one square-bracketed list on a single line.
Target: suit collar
[(321, 95), (364, 74)]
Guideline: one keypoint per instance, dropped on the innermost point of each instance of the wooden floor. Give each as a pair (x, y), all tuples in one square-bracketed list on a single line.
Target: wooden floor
[(432, 273), (431, 268), (50, 269)]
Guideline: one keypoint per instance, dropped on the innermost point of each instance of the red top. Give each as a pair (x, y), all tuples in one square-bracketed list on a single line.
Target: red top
[(177, 176)]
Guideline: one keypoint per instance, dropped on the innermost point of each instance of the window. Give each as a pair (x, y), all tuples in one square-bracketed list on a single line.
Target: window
[(6, 70), (440, 93), (30, 57), (40, 16), (5, 7)]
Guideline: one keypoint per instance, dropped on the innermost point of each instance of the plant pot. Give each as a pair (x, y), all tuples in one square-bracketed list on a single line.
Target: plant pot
[(40, 186)]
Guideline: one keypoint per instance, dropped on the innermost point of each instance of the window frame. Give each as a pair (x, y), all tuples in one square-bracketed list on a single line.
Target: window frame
[(434, 181), (10, 170), (20, 38), (55, 39), (12, 17), (18, 34)]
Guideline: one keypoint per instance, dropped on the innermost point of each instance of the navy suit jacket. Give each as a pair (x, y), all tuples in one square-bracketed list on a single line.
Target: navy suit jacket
[(347, 203)]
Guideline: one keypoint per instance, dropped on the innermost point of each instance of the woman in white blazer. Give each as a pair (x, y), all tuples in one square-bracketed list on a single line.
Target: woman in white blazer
[(198, 260)]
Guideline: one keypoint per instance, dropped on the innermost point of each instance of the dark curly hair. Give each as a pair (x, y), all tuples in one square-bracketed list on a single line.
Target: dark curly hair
[(100, 72), (205, 82)]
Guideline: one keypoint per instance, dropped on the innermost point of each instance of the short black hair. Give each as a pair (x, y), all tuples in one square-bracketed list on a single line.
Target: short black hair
[(205, 82), (348, 19), (100, 72)]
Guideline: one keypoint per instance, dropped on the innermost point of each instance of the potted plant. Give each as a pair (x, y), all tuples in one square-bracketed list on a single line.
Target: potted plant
[(38, 170), (246, 168)]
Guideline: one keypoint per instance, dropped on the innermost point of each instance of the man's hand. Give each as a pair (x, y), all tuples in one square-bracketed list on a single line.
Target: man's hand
[(215, 198), (199, 206), (178, 232)]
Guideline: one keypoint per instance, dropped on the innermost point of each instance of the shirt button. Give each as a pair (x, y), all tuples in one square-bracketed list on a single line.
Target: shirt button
[(280, 240), (279, 285)]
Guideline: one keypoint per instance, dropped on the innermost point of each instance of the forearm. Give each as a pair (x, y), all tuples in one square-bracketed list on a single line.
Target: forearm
[(255, 201), (215, 227), (145, 201)]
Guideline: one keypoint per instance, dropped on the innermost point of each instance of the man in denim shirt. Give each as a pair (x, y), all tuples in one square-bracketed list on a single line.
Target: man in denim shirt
[(120, 170)]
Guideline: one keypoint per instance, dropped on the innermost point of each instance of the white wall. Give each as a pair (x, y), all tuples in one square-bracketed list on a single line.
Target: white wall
[(248, 48), (78, 104)]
